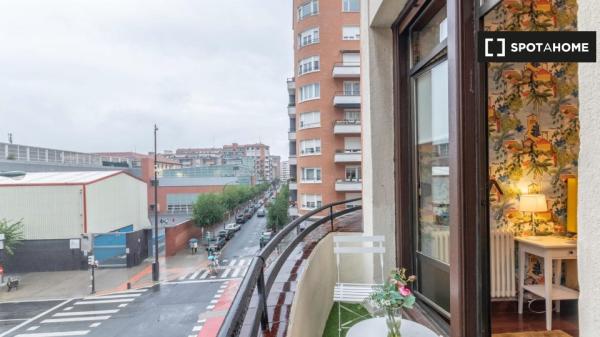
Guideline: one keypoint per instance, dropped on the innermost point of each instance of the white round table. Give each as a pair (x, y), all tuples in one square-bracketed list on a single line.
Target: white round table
[(376, 327)]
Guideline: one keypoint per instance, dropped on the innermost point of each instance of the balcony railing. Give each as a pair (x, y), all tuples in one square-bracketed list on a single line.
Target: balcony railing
[(348, 156), (291, 110), (292, 160), (352, 185), (291, 85), (346, 127), (347, 99), (292, 135), (257, 284), (346, 70)]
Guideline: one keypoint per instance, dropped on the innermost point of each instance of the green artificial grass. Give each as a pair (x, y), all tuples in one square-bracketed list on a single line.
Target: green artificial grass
[(349, 312)]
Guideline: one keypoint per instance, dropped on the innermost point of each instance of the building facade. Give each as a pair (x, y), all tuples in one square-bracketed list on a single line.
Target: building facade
[(325, 129)]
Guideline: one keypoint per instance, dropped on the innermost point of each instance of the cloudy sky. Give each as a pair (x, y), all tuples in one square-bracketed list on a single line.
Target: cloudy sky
[(95, 75)]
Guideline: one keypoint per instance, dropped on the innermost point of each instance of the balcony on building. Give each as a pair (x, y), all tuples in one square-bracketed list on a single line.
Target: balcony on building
[(348, 156), (346, 70), (347, 99), (346, 127), (292, 160), (293, 185), (292, 135), (344, 185), (291, 110), (291, 85)]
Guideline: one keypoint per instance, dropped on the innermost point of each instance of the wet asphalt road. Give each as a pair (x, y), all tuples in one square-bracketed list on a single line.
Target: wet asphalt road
[(169, 309)]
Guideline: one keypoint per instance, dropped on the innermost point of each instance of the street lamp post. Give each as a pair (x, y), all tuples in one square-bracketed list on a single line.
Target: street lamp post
[(155, 270)]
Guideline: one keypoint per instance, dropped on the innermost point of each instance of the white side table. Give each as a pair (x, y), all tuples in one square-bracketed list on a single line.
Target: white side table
[(376, 327), (553, 249)]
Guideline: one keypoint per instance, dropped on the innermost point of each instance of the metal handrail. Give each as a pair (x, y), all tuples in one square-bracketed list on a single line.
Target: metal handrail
[(352, 93), (255, 277)]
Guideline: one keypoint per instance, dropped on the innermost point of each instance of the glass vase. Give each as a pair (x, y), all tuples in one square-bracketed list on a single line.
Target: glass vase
[(393, 320)]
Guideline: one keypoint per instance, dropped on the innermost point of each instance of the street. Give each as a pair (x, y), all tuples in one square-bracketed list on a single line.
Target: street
[(191, 304)]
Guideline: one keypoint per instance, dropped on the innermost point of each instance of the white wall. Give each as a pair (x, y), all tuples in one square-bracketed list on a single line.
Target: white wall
[(117, 202), (48, 212), (589, 172), (379, 204)]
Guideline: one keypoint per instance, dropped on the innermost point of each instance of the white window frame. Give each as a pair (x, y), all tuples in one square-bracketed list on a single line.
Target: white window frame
[(348, 145), (311, 201), (309, 92), (308, 37), (353, 35), (358, 173), (348, 115), (310, 147), (354, 88), (346, 6), (316, 172), (309, 65), (310, 120), (311, 7)]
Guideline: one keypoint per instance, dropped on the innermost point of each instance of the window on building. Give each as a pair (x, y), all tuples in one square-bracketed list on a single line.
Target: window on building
[(351, 33), (351, 58), (353, 173), (310, 119), (311, 201), (351, 88), (310, 147), (311, 175), (351, 5), (308, 8), (310, 91), (308, 65), (352, 144), (352, 115), (307, 37)]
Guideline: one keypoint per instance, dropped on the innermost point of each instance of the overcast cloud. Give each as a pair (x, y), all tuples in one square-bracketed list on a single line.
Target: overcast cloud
[(96, 75)]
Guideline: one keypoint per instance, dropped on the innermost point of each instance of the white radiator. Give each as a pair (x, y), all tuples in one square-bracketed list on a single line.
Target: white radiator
[(439, 249), (502, 264)]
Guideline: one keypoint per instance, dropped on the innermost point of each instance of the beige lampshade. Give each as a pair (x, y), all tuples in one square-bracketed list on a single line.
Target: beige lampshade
[(533, 203)]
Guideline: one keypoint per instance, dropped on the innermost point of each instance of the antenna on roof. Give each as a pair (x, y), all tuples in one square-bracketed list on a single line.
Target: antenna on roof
[(10, 138)]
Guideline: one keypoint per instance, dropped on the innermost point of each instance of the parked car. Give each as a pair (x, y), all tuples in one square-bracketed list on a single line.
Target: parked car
[(247, 215), (239, 219), (261, 213), (233, 227), (216, 244), (264, 238), (226, 234)]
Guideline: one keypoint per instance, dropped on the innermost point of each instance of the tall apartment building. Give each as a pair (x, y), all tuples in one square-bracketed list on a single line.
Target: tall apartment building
[(325, 131), (284, 170)]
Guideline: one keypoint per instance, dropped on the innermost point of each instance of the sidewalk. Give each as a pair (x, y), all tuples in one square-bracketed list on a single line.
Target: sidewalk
[(77, 283)]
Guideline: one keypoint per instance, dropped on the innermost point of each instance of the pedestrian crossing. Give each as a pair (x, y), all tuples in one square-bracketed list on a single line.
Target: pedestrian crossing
[(235, 268), (79, 317)]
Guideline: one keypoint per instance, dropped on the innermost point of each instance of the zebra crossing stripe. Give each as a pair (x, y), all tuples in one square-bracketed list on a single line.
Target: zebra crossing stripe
[(119, 300), (194, 275), (111, 296), (76, 319), (55, 334), (232, 263), (236, 272), (204, 275), (85, 313), (226, 273)]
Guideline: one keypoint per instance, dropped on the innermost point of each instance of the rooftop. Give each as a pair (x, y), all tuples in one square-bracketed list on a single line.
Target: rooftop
[(58, 178)]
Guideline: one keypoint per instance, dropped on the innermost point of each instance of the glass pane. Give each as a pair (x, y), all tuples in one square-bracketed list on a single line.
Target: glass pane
[(431, 89), (424, 39)]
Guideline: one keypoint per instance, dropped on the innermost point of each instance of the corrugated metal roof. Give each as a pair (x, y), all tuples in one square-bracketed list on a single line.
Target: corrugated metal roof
[(58, 178)]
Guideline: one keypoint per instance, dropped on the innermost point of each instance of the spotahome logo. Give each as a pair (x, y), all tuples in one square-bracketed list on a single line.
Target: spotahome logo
[(537, 47)]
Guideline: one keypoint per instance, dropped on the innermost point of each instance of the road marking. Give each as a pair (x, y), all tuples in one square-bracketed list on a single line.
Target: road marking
[(56, 334), (32, 328), (94, 325), (226, 273), (111, 296), (122, 305), (197, 328), (211, 280), (13, 319), (204, 275), (236, 272), (121, 300), (194, 275), (68, 308), (210, 307), (220, 291), (141, 290), (183, 277), (34, 318), (232, 263), (84, 313), (75, 319), (218, 295), (214, 301)]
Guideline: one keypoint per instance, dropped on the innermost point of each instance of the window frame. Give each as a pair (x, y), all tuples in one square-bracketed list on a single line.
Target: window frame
[(317, 149), (312, 12), (317, 172), (302, 125), (355, 37), (346, 6), (314, 38), (314, 62), (317, 200), (316, 91)]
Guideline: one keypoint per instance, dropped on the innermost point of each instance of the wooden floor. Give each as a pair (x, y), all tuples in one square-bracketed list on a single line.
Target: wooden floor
[(506, 319)]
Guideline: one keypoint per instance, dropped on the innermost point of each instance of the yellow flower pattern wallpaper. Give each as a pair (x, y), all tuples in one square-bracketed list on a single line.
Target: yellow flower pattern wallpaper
[(533, 123)]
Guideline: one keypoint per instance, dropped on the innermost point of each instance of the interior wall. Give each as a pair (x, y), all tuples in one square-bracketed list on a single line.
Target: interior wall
[(533, 120)]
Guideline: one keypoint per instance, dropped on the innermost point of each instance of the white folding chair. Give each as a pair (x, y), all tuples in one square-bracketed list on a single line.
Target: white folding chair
[(355, 292)]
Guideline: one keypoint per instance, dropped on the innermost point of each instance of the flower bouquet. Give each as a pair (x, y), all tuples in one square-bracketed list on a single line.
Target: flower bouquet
[(391, 297)]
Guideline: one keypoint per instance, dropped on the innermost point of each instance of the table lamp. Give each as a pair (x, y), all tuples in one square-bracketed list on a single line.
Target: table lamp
[(533, 203)]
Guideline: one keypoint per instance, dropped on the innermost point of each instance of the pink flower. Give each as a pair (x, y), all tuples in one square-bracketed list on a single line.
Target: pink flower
[(405, 291)]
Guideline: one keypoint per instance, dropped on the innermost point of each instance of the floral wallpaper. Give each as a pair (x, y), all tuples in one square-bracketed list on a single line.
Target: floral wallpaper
[(533, 123)]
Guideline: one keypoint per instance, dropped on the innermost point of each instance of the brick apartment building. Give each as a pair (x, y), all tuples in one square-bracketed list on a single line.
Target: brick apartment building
[(324, 110)]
